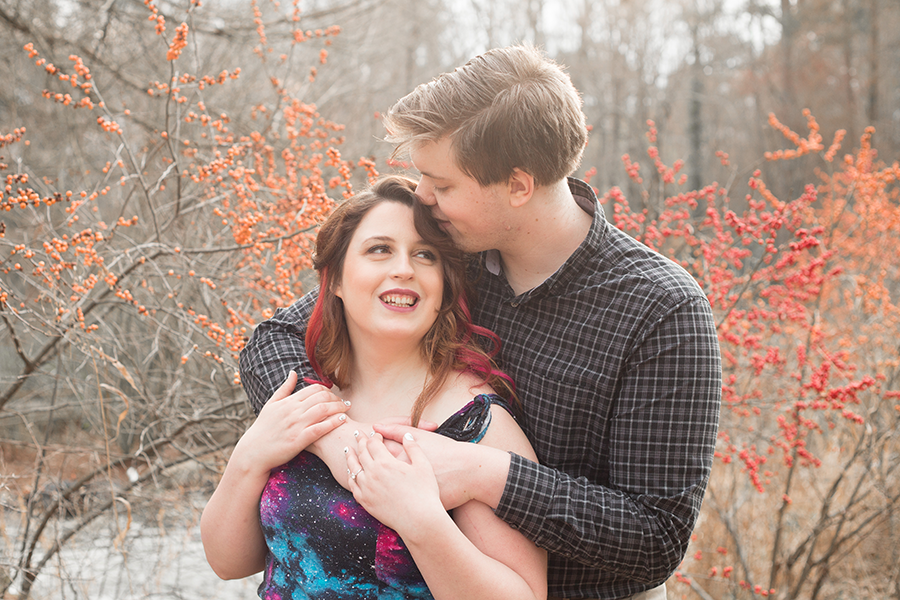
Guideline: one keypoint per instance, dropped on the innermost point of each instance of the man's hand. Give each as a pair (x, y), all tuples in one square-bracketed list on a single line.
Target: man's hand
[(464, 471)]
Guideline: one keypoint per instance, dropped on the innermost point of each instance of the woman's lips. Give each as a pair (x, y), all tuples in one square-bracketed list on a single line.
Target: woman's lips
[(400, 299)]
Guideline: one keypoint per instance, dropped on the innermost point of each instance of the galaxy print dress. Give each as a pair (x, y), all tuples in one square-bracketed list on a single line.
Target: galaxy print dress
[(323, 545)]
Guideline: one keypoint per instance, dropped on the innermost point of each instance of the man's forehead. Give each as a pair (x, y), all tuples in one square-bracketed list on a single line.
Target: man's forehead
[(434, 159)]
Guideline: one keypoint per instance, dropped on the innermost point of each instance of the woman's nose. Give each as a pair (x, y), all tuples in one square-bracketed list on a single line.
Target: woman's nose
[(402, 267)]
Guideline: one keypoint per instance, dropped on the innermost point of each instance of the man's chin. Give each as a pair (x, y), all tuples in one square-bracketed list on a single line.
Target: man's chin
[(469, 246)]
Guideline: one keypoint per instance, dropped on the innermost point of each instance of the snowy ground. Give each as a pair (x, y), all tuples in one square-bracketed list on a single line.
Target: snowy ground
[(160, 560), (150, 564)]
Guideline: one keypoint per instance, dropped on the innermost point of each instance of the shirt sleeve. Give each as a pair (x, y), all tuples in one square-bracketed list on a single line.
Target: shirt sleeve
[(660, 445), (277, 346)]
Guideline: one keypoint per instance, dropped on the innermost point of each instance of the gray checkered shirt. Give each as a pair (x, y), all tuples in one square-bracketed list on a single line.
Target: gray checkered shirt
[(616, 361)]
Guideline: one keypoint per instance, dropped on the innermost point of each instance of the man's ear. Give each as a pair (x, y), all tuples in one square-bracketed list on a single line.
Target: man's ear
[(520, 187)]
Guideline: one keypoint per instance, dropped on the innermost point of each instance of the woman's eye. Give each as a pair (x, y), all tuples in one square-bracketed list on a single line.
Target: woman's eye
[(426, 255), (439, 190), (379, 249)]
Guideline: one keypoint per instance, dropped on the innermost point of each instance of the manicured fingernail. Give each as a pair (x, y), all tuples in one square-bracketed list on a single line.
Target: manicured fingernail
[(349, 471), (371, 434), (342, 418), (408, 436), (346, 402), (346, 449), (356, 433)]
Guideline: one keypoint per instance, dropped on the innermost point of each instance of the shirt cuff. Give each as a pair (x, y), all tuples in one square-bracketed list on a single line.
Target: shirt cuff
[(526, 496)]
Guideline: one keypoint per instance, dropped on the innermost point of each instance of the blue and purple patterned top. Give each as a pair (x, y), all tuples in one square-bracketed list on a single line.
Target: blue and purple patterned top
[(323, 545)]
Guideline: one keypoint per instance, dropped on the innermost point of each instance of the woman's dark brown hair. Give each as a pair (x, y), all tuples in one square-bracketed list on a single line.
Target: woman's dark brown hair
[(450, 345)]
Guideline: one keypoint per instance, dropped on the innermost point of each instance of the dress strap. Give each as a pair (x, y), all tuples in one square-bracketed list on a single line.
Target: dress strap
[(471, 422)]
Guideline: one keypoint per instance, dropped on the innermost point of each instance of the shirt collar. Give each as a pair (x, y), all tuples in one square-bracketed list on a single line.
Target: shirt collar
[(586, 198)]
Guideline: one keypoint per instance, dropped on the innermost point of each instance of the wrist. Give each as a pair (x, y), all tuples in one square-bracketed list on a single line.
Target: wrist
[(246, 461), (424, 528), (333, 442), (244, 475), (488, 473)]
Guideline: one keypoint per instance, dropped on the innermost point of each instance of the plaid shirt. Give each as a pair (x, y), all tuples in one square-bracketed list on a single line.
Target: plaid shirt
[(616, 361)]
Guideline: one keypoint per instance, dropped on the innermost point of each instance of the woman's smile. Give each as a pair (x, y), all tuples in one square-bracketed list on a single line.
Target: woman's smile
[(400, 299)]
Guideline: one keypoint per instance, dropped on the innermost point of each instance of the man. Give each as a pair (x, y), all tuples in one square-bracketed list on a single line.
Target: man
[(612, 347)]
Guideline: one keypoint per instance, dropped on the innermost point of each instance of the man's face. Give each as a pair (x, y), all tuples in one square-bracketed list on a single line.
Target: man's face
[(470, 213)]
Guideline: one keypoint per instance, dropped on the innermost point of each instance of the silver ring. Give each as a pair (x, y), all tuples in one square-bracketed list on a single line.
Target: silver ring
[(353, 475)]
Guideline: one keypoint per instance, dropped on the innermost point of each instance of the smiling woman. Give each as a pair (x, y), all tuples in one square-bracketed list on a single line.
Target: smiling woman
[(356, 230), (390, 337), (392, 284)]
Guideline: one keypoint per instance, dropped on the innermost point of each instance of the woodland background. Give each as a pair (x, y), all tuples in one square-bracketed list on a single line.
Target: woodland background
[(165, 164)]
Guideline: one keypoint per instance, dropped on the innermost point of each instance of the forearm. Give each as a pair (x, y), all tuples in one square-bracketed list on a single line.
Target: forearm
[(473, 472), (275, 348), (229, 526), (455, 567), (642, 537), (330, 448)]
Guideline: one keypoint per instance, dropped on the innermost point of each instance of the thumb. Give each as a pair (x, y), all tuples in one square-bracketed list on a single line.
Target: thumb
[(412, 448), (427, 425), (392, 431), (286, 388)]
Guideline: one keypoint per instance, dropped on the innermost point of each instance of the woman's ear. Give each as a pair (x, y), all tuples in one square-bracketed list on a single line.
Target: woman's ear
[(520, 187), (325, 283)]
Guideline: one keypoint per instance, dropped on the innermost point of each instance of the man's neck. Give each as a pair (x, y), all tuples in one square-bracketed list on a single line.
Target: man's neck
[(550, 229)]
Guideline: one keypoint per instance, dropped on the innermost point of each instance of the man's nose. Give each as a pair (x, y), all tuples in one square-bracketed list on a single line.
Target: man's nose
[(425, 193)]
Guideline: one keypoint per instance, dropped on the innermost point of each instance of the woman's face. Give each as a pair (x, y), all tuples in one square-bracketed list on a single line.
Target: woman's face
[(392, 282)]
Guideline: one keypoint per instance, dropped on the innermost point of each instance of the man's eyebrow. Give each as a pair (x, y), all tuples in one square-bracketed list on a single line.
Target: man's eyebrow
[(431, 175)]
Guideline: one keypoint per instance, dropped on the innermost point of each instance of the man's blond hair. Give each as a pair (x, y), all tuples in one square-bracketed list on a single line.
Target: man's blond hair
[(508, 108)]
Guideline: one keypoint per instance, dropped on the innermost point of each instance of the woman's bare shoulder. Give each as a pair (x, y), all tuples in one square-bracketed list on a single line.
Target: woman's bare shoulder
[(504, 431), (458, 391)]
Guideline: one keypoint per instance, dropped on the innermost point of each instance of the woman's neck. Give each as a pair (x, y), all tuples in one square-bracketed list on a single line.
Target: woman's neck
[(384, 382)]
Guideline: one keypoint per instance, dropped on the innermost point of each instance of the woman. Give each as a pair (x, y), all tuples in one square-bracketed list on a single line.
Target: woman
[(390, 335)]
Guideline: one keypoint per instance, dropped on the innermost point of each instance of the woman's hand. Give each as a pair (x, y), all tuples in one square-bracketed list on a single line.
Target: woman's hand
[(288, 423), (399, 492)]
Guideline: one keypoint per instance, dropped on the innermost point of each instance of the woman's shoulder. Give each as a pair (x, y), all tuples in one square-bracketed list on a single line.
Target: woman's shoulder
[(480, 415), (506, 434), (458, 391)]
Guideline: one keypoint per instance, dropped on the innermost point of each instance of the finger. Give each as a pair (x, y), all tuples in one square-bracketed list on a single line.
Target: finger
[(316, 392), (285, 389), (423, 423), (352, 459), (365, 446), (376, 448), (427, 425), (354, 468), (413, 450), (306, 414), (362, 448), (327, 425), (393, 432), (316, 402), (397, 450)]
